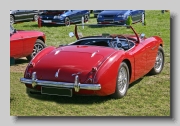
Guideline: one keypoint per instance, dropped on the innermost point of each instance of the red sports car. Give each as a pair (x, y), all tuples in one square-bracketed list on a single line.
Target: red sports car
[(25, 43), (100, 64)]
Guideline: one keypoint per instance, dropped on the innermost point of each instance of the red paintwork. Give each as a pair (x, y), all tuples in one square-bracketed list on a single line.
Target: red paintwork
[(22, 42), (73, 58)]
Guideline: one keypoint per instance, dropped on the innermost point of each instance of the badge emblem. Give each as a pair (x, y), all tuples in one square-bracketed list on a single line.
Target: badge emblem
[(57, 73)]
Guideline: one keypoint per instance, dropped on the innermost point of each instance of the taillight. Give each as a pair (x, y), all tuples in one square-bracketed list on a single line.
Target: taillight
[(91, 75), (29, 71)]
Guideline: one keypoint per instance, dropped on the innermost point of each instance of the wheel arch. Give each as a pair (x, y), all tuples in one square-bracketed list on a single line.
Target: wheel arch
[(13, 16), (129, 66), (41, 38)]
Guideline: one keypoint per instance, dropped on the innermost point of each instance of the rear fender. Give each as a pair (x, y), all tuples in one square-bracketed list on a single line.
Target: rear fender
[(45, 51), (107, 74)]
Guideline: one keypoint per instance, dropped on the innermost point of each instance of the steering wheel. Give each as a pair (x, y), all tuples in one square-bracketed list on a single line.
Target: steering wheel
[(120, 45)]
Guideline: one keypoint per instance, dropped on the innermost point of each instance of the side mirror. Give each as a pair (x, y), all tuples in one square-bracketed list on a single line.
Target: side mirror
[(71, 34), (142, 36)]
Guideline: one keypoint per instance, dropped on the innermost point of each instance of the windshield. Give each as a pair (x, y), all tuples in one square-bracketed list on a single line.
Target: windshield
[(104, 30)]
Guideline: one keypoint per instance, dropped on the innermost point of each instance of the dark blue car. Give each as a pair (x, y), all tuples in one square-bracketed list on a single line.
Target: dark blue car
[(119, 16), (63, 17)]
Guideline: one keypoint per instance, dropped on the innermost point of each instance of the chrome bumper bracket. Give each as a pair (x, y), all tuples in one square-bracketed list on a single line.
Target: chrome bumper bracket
[(76, 85)]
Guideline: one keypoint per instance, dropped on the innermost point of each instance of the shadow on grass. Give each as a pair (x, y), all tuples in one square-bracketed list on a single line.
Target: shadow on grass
[(21, 61), (135, 82), (75, 99)]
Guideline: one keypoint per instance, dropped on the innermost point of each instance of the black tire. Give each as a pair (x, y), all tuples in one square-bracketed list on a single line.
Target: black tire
[(35, 18), (122, 82), (86, 18), (159, 63), (12, 19), (67, 21), (38, 46)]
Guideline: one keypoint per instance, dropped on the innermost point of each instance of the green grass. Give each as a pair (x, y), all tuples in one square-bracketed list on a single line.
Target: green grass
[(149, 96)]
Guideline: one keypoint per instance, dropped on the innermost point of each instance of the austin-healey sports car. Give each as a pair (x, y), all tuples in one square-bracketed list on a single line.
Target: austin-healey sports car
[(95, 63)]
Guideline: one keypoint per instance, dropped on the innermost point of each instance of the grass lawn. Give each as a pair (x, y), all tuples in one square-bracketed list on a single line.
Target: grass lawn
[(149, 96)]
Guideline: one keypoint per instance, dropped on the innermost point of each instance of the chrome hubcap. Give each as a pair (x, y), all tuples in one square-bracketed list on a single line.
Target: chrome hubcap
[(159, 61), (37, 47), (35, 17), (67, 22), (122, 80), (11, 20)]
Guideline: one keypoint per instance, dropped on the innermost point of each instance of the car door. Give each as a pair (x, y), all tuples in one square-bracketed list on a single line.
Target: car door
[(16, 45), (30, 14), (80, 14), (139, 54), (74, 15), (134, 15), (140, 12), (151, 47), (20, 15)]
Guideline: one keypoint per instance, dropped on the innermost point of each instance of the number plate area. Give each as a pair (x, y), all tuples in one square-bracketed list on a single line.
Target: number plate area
[(56, 91), (47, 21)]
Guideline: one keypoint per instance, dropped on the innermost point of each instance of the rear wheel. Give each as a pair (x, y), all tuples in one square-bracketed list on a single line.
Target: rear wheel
[(122, 82), (159, 63), (67, 21), (38, 46), (86, 18), (35, 18), (11, 19)]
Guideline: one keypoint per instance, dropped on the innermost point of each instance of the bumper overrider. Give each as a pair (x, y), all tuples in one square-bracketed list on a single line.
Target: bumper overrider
[(76, 85)]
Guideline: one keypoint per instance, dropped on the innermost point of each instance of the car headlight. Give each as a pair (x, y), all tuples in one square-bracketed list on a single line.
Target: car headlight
[(99, 16), (58, 17), (121, 16)]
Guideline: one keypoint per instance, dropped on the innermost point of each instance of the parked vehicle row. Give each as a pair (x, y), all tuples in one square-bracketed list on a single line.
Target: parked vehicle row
[(67, 17)]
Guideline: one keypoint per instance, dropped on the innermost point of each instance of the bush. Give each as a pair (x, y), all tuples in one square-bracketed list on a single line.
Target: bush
[(129, 21)]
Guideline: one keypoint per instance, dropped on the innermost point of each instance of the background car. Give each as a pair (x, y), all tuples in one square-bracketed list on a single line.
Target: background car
[(23, 15), (96, 12), (96, 64), (119, 16), (63, 17), (25, 43)]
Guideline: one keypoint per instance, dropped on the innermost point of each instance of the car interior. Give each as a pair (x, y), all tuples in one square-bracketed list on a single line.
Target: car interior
[(116, 43)]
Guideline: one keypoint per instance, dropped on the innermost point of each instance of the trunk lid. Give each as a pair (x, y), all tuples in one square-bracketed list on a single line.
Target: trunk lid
[(69, 60)]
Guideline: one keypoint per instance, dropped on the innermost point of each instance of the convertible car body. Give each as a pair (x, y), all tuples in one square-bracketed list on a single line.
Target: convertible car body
[(119, 16), (25, 43), (101, 64), (63, 17)]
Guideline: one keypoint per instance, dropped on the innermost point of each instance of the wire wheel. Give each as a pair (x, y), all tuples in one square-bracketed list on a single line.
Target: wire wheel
[(11, 19), (67, 21)]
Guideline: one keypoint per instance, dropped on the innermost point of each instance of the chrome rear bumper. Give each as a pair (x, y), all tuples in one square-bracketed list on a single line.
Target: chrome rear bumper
[(76, 85)]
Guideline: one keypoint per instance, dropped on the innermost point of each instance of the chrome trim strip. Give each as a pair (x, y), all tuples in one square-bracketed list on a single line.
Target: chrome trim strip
[(76, 85)]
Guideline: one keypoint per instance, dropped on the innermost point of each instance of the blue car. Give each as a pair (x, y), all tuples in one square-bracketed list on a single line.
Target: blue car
[(96, 12), (63, 17), (119, 16)]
